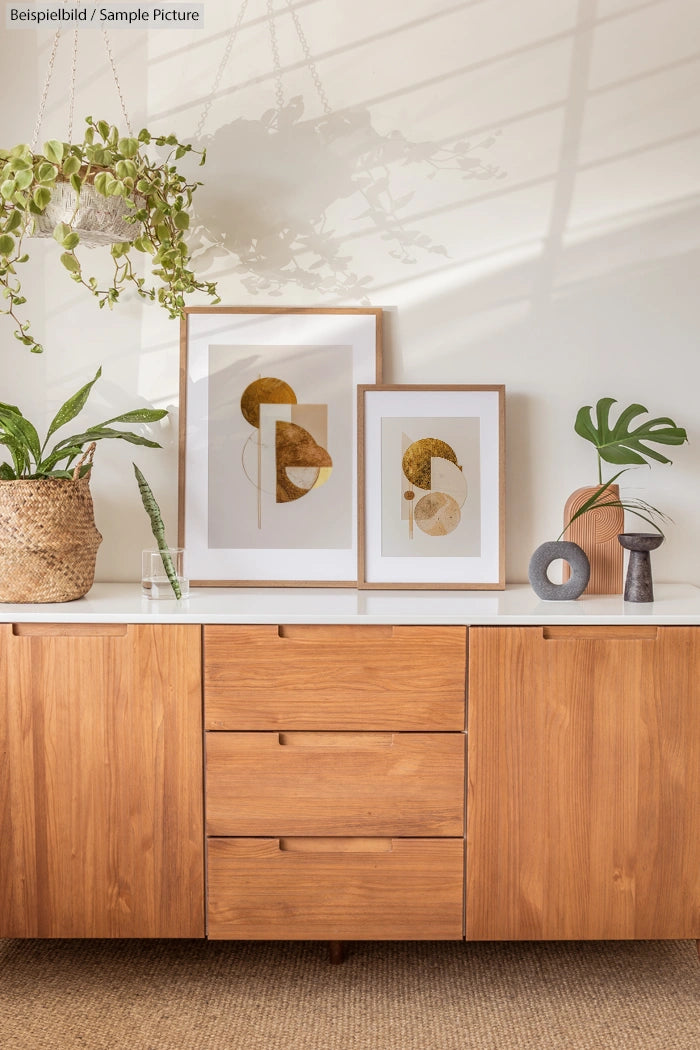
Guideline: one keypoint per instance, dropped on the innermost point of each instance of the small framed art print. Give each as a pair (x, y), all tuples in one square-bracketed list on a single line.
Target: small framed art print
[(268, 442), (431, 477)]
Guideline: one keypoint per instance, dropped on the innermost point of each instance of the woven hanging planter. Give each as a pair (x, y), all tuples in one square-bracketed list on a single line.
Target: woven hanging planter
[(48, 538), (97, 219)]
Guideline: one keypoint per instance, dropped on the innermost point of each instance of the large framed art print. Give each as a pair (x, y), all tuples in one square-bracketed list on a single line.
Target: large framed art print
[(268, 442), (431, 510)]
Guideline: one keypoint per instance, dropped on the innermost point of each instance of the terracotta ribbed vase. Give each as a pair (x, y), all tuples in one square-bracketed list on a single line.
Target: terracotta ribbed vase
[(596, 533)]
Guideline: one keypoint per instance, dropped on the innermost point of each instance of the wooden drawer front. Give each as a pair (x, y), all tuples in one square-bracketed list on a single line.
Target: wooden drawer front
[(304, 783), (335, 889), (334, 677)]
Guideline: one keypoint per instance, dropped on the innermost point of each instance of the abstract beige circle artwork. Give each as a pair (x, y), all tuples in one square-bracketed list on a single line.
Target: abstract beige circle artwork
[(437, 514), (431, 464), (286, 455), (302, 464)]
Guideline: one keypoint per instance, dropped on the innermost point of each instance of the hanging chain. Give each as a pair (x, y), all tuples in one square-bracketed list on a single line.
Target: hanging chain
[(116, 81), (49, 74), (309, 61), (74, 68), (44, 95), (220, 71), (72, 85), (279, 92), (277, 65)]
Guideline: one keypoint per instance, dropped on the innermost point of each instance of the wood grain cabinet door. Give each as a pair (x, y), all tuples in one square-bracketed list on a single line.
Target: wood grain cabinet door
[(100, 781), (583, 816)]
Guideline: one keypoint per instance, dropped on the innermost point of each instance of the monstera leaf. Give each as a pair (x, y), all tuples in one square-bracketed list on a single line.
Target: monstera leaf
[(617, 443)]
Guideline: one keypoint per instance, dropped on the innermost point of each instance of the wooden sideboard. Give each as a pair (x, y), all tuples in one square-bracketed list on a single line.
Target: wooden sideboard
[(174, 771)]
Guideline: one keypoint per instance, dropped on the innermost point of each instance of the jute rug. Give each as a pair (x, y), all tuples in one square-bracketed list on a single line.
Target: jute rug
[(189, 995)]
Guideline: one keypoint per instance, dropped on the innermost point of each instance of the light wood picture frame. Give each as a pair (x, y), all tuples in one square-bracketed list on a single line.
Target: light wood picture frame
[(431, 469), (268, 442)]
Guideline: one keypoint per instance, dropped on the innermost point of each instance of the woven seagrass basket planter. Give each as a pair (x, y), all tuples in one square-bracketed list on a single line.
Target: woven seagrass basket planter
[(48, 539)]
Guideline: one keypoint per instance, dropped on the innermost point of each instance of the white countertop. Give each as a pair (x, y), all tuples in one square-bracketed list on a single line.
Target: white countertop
[(517, 604)]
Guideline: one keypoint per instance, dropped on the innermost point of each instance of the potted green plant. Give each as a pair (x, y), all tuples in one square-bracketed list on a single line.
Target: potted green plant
[(108, 189), (48, 538), (592, 540), (595, 517), (618, 444)]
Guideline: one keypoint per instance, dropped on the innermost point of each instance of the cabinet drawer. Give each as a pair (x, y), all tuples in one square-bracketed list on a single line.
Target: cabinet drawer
[(335, 889), (334, 677), (306, 783)]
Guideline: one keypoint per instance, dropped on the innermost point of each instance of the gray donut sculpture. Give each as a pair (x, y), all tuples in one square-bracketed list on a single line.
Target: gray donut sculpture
[(543, 557)]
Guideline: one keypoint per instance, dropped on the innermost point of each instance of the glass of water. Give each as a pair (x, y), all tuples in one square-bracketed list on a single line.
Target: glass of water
[(154, 578)]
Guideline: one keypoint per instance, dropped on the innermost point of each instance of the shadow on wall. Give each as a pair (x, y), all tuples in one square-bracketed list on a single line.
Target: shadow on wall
[(271, 208)]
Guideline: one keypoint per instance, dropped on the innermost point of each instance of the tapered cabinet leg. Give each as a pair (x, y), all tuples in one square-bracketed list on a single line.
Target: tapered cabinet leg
[(337, 954)]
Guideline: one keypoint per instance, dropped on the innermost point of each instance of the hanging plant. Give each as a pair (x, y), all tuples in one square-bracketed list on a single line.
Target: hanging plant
[(106, 190)]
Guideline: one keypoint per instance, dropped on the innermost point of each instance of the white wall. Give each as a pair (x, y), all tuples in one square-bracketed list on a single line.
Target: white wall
[(563, 263)]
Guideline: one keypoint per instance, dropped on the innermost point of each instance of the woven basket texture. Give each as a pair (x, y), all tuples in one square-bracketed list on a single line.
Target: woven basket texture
[(48, 540), (98, 220)]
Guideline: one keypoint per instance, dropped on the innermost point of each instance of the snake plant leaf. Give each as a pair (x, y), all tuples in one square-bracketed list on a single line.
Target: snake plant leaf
[(617, 443), (70, 408), (158, 529)]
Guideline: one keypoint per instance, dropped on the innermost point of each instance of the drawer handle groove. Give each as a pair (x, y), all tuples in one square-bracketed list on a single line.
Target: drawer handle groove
[(69, 630), (603, 632), (354, 741), (334, 845), (337, 633)]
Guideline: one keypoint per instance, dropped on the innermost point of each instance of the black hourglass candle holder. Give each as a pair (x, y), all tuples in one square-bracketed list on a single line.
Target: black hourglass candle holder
[(638, 583)]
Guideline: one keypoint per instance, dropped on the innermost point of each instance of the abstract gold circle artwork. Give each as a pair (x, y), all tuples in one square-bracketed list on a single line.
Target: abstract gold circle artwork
[(417, 457), (267, 391)]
